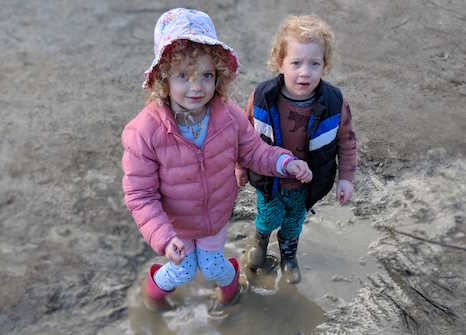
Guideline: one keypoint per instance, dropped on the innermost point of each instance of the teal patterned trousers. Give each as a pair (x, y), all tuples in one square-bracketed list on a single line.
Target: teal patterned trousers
[(286, 210)]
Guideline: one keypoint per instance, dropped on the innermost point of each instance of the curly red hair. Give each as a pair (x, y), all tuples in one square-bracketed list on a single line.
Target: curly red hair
[(305, 28), (157, 84)]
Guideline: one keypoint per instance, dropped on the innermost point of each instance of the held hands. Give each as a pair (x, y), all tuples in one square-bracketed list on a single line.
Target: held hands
[(241, 176), (175, 250), (344, 191), (299, 169)]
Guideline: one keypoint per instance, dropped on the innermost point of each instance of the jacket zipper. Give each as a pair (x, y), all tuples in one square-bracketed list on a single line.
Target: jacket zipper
[(200, 157), (205, 190)]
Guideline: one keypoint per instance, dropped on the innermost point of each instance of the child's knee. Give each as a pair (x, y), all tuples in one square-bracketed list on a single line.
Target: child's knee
[(209, 270), (270, 215), (213, 265), (190, 276), (186, 273), (210, 274), (267, 224), (171, 275), (217, 271)]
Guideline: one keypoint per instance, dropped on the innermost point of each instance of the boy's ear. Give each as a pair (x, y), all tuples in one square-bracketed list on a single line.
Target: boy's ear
[(280, 65)]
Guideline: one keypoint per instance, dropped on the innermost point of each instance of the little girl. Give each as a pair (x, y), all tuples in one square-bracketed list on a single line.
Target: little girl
[(180, 153)]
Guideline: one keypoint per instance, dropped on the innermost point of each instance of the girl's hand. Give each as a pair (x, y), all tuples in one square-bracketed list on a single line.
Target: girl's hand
[(175, 250), (299, 169), (241, 176), (344, 191)]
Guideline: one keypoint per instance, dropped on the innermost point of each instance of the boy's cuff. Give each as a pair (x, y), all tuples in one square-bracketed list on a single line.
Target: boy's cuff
[(346, 175)]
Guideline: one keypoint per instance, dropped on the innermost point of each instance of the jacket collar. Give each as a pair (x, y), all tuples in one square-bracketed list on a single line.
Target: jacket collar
[(165, 115), (272, 92), (274, 86), (272, 89)]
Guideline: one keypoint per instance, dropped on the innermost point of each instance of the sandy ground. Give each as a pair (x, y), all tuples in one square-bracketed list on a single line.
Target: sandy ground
[(72, 259)]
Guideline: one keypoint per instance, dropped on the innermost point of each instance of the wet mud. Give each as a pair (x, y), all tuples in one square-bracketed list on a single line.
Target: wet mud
[(333, 270), (265, 300)]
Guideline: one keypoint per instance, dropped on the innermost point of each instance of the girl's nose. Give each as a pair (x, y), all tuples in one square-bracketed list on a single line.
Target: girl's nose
[(195, 82)]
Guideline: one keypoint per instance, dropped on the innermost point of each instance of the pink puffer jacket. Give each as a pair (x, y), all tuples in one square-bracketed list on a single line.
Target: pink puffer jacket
[(173, 188)]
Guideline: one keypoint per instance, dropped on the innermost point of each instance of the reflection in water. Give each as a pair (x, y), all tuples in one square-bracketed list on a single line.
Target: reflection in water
[(268, 305)]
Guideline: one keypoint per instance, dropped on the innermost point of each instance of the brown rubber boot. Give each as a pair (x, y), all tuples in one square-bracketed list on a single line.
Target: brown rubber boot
[(288, 260), (256, 256)]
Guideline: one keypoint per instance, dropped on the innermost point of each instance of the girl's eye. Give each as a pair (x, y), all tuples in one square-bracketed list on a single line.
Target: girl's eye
[(316, 64), (181, 75), (208, 75), (295, 63)]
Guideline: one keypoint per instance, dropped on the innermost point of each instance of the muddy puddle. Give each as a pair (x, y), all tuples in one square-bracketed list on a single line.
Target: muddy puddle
[(334, 262), (278, 310)]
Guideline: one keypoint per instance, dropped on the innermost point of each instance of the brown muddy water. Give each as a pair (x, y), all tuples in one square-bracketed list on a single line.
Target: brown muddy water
[(333, 258)]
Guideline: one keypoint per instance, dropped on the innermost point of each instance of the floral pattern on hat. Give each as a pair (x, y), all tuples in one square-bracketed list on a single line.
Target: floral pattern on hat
[(189, 24)]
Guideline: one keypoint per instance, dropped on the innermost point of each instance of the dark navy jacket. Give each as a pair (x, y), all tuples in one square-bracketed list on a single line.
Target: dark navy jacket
[(321, 136)]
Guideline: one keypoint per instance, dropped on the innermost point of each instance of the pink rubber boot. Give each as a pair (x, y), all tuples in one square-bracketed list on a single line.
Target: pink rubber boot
[(229, 294), (155, 298)]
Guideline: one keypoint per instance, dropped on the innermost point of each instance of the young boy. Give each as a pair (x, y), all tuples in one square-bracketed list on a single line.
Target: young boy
[(299, 111)]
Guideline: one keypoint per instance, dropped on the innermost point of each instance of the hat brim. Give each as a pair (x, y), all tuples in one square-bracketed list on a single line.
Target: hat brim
[(233, 62)]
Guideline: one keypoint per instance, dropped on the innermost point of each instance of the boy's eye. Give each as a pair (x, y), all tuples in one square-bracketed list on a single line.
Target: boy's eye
[(295, 63), (208, 75), (181, 75), (316, 63)]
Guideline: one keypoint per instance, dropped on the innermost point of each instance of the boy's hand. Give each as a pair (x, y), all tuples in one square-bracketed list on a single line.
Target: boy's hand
[(241, 176), (344, 191), (300, 170), (175, 250)]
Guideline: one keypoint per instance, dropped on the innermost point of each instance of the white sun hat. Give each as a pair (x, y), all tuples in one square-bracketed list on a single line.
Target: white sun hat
[(187, 24)]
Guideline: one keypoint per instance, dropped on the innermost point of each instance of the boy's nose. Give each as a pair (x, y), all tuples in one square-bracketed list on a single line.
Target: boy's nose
[(305, 72)]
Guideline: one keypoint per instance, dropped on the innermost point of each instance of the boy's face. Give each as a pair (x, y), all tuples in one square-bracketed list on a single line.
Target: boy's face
[(302, 67), (192, 84)]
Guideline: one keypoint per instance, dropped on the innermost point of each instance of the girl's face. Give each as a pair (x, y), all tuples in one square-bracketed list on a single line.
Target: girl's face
[(302, 67), (192, 84)]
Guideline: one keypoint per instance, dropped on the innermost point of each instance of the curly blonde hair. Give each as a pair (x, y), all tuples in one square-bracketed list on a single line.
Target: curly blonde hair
[(157, 87), (305, 28)]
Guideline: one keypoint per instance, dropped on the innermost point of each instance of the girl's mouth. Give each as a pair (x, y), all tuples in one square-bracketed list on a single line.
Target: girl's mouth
[(195, 98)]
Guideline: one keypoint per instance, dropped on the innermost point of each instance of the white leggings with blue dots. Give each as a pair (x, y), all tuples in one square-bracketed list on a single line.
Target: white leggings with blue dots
[(212, 265)]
